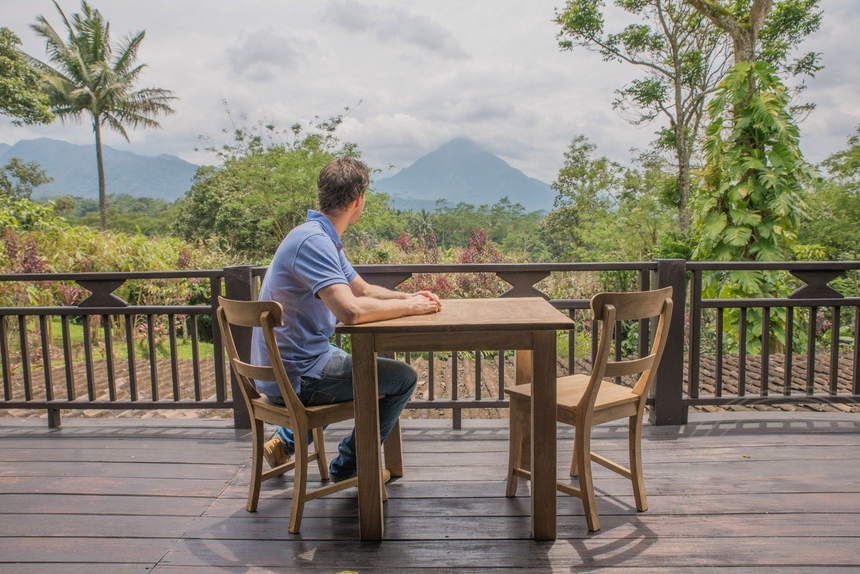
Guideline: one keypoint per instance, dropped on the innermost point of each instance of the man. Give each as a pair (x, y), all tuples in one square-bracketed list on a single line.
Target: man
[(312, 279)]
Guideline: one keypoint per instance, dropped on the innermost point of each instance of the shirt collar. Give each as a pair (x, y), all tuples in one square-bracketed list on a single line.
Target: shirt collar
[(327, 226)]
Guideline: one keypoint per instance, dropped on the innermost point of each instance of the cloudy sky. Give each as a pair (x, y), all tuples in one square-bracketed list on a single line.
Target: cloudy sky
[(424, 72)]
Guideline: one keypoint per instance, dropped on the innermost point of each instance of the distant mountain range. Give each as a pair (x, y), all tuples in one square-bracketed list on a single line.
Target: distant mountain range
[(463, 171), (73, 168)]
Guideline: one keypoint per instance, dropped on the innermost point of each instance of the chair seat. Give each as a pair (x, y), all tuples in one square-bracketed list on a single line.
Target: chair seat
[(571, 389), (319, 415)]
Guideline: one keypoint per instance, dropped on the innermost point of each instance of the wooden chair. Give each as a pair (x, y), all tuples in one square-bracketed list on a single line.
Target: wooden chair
[(587, 400), (293, 415)]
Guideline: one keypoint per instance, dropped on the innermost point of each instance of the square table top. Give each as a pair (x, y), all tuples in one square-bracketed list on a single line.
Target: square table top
[(500, 314)]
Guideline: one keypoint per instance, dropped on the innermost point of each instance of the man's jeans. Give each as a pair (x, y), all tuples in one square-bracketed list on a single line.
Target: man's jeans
[(396, 381)]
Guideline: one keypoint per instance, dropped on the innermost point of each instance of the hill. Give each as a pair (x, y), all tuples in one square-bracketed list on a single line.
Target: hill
[(73, 168), (462, 171)]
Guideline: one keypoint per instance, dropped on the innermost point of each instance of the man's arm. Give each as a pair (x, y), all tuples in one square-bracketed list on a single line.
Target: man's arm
[(352, 310), (361, 288)]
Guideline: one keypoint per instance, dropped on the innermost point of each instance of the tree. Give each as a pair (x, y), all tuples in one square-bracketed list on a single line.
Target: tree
[(683, 57), (598, 197), (19, 178), (92, 76), (21, 96), (263, 187), (768, 31), (834, 205)]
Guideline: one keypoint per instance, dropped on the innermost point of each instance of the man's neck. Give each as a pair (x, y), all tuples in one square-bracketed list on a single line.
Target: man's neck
[(339, 220)]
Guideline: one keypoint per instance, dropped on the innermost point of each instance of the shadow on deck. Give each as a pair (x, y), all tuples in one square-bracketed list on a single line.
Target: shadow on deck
[(774, 492)]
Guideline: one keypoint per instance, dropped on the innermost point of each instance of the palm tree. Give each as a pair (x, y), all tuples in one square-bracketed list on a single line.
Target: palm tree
[(86, 77)]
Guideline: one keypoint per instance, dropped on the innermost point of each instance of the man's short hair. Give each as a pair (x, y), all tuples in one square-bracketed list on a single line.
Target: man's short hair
[(340, 183)]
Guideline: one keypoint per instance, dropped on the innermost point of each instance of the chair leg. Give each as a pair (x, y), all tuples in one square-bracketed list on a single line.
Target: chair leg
[(574, 471), (300, 482), (322, 463), (514, 446), (256, 466), (582, 448), (394, 451), (636, 463)]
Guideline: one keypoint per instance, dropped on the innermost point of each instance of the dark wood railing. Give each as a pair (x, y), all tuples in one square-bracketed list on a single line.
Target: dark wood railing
[(681, 381)]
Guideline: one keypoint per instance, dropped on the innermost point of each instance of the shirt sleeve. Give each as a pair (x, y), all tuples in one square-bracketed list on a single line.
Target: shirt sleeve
[(347, 268), (317, 264)]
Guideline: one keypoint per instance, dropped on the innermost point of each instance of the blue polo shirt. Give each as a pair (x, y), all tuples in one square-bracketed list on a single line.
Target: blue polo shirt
[(310, 258)]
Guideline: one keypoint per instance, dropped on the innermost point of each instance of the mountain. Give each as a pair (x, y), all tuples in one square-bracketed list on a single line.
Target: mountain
[(461, 170), (4, 147), (73, 168)]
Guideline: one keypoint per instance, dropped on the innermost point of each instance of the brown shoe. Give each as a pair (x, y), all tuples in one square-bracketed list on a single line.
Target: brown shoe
[(274, 453), (386, 476)]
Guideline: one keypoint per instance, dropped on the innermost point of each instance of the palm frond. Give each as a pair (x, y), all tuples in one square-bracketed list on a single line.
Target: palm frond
[(116, 125), (128, 52)]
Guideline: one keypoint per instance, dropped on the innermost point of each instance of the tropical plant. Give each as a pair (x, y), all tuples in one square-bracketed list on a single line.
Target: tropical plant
[(751, 204), (91, 76), (21, 96)]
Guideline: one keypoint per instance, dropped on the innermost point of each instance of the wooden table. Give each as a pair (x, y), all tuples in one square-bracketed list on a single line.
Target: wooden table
[(527, 325)]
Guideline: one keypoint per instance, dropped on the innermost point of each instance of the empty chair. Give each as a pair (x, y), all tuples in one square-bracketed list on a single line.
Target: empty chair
[(588, 400), (293, 415)]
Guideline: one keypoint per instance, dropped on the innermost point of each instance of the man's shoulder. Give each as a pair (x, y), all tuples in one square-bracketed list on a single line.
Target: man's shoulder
[(301, 234)]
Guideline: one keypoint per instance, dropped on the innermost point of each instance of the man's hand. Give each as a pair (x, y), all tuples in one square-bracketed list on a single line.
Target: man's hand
[(421, 303), (430, 295)]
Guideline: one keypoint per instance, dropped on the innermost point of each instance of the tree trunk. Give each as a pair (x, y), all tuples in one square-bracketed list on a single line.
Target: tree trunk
[(683, 186), (101, 169)]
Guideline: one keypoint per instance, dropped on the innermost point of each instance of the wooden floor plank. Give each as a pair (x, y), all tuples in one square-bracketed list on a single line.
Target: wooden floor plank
[(153, 506), (84, 550), (634, 551), (115, 486), (94, 526)]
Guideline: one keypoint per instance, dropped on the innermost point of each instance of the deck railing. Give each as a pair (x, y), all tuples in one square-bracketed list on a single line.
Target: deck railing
[(698, 327)]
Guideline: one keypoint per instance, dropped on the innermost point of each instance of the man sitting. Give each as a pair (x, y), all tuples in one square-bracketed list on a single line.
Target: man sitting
[(312, 279)]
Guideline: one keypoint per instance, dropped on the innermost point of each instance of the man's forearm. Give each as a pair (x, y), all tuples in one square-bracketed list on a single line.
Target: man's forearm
[(367, 309), (383, 294)]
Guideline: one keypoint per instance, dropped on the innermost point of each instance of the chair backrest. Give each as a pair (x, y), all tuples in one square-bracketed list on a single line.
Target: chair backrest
[(611, 307), (266, 315)]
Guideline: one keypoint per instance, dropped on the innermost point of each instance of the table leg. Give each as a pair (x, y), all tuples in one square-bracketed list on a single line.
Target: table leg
[(543, 436), (369, 457)]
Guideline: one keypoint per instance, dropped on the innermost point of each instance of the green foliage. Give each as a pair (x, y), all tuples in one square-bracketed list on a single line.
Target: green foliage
[(19, 178), (92, 76), (604, 212), (262, 188), (21, 96), (834, 205), (147, 215), (22, 214)]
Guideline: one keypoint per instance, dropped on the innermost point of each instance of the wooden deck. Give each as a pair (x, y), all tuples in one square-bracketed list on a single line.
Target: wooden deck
[(728, 493)]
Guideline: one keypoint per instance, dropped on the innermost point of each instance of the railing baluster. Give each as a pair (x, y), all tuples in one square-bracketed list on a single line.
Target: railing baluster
[(810, 351), (619, 335), (644, 324), (46, 357), (68, 359), (571, 344), (789, 350), (88, 357), (109, 358), (174, 365), (4, 354), (153, 357), (408, 358), (834, 351), (718, 385), (132, 367), (195, 356), (477, 375), (742, 356), (857, 351), (25, 357), (501, 375), (765, 351), (695, 335), (431, 377), (456, 411), (218, 344)]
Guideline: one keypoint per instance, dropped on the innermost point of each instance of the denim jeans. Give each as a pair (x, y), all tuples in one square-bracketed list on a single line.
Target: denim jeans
[(396, 381)]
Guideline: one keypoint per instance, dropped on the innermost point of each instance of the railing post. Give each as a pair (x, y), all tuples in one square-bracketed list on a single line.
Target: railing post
[(239, 285), (668, 406)]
